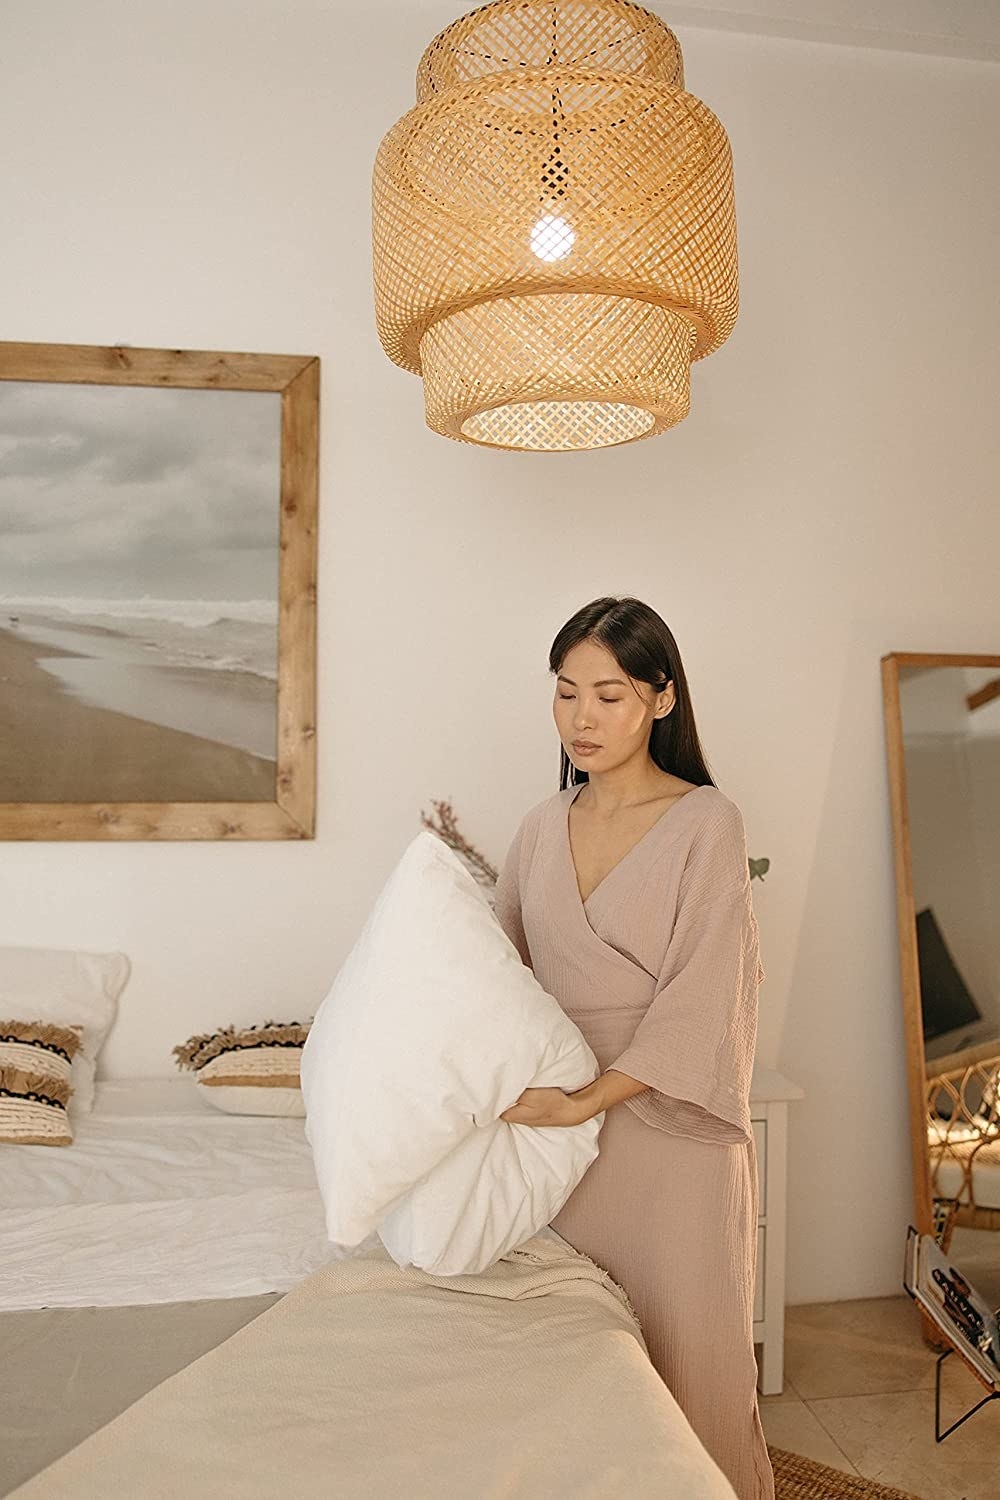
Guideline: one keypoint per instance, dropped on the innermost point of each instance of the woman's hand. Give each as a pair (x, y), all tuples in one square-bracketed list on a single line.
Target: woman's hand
[(547, 1107), (555, 1107)]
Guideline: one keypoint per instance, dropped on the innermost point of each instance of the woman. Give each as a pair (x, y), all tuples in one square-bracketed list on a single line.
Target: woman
[(628, 894)]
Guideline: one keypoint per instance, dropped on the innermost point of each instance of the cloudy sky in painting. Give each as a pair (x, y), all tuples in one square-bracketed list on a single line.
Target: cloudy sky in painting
[(119, 492)]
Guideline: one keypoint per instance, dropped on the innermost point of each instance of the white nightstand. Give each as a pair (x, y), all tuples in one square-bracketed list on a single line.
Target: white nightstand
[(769, 1096)]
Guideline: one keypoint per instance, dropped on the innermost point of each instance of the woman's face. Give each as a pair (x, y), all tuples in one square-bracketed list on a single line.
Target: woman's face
[(597, 701)]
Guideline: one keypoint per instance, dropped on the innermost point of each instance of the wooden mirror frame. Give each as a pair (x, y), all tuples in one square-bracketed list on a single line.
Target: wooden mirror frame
[(906, 917), (292, 814)]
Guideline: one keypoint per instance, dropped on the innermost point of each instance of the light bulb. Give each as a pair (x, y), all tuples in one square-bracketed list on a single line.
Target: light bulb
[(552, 238)]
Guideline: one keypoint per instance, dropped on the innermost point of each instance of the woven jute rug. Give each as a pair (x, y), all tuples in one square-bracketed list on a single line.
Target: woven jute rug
[(798, 1478)]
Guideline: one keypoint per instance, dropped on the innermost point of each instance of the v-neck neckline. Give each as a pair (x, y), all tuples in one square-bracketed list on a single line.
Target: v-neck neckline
[(631, 850)]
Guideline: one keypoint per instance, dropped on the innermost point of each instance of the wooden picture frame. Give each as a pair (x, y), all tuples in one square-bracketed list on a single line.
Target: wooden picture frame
[(290, 812)]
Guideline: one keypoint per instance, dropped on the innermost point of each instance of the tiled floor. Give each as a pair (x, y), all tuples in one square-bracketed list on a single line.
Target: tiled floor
[(859, 1396)]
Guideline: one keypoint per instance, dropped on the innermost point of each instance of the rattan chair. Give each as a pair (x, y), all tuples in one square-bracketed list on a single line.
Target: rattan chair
[(963, 1132)]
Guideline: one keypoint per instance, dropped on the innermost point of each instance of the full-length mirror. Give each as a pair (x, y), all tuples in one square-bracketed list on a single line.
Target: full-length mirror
[(942, 717)]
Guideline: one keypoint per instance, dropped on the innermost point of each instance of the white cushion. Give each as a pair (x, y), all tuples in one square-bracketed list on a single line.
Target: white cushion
[(254, 1081), (73, 989), (251, 1099), (433, 1027)]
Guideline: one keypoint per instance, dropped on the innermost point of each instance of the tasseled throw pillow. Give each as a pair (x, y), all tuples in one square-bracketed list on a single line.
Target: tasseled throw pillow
[(36, 1059), (251, 1070), (67, 987)]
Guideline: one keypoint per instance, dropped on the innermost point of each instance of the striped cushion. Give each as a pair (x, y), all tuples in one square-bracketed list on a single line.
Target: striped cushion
[(251, 1071), (36, 1082)]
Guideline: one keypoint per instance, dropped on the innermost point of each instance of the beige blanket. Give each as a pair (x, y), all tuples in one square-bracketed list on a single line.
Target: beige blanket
[(529, 1381)]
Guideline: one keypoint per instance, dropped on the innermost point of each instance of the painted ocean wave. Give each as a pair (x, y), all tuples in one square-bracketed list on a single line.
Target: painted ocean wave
[(225, 635)]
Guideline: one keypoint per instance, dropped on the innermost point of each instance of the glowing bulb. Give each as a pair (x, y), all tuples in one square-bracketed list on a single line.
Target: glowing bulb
[(552, 238)]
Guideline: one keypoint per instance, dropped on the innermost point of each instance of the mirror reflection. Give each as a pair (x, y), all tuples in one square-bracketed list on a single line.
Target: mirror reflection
[(951, 749)]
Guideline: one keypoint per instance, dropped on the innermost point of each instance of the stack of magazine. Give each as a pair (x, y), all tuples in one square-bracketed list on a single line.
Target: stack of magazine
[(963, 1316)]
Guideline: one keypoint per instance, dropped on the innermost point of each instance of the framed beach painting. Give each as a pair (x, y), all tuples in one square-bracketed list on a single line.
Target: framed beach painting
[(158, 512)]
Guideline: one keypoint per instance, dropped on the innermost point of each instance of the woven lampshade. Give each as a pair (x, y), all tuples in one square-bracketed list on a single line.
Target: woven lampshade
[(553, 228)]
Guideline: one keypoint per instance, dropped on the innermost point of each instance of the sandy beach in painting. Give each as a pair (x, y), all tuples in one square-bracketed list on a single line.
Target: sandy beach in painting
[(57, 747)]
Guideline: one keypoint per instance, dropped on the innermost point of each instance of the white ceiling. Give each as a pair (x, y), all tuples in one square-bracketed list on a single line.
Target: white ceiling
[(941, 28), (947, 28)]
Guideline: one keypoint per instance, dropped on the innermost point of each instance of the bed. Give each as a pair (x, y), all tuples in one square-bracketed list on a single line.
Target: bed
[(529, 1379), (160, 1198), (174, 1324)]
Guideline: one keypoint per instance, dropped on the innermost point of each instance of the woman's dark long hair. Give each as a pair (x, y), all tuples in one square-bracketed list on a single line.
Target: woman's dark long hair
[(643, 646)]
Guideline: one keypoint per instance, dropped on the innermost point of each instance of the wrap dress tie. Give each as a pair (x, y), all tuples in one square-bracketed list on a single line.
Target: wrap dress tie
[(660, 968)]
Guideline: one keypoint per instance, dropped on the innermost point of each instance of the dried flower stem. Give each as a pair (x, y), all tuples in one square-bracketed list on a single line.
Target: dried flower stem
[(446, 829)]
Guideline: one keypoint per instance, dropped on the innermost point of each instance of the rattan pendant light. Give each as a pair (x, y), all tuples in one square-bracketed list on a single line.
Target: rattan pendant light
[(553, 226)]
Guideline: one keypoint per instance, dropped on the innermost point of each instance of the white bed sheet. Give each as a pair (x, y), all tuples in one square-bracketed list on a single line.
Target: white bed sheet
[(160, 1198)]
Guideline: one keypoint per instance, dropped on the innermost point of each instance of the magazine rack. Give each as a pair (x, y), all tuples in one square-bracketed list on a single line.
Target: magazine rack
[(960, 1312), (939, 1435)]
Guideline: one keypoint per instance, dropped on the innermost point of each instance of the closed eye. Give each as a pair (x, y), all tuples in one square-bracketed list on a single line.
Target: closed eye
[(603, 700)]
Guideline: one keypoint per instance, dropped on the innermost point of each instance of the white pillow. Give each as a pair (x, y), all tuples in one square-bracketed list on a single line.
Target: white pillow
[(72, 989), (433, 1027), (260, 1080), (251, 1099)]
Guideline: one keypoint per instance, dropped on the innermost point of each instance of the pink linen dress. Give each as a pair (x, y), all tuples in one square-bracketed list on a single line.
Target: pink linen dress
[(659, 968)]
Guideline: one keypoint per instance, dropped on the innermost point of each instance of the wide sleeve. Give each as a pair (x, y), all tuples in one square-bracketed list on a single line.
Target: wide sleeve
[(695, 1044), (507, 895)]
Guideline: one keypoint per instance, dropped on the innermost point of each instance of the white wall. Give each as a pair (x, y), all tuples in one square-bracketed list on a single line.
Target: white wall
[(197, 175)]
